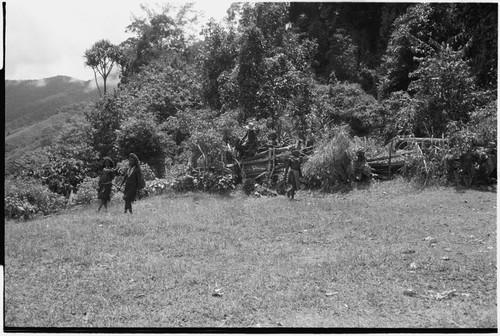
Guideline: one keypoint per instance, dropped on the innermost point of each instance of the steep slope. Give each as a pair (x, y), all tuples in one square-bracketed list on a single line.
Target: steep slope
[(30, 101)]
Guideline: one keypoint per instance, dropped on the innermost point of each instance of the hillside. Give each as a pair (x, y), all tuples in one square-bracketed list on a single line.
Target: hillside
[(30, 101), (42, 133), (37, 110)]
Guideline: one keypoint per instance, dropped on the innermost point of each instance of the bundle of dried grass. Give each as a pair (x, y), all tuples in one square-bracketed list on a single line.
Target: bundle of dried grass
[(331, 162)]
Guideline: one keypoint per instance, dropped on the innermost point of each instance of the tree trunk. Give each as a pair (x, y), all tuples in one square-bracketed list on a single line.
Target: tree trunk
[(97, 83), (104, 78)]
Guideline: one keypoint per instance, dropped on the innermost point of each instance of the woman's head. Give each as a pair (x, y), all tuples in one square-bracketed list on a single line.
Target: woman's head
[(108, 163), (133, 160)]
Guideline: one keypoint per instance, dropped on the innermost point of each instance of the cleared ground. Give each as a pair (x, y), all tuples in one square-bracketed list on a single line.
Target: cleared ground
[(387, 256)]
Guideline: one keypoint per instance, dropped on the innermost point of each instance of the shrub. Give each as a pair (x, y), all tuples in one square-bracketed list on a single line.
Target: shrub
[(219, 183), (213, 182), (183, 183), (204, 181), (24, 198), (468, 159), (142, 136), (62, 176), (345, 103), (87, 191), (27, 163), (207, 147), (155, 187), (483, 121), (464, 161), (431, 168), (401, 112), (444, 83)]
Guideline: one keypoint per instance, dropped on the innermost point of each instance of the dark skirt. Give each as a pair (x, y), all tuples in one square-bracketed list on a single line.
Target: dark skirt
[(105, 192), (293, 178), (131, 186)]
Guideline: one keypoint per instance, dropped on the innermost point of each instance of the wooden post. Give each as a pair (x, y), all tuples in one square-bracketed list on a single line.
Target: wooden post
[(274, 157), (390, 154), (268, 171), (273, 165)]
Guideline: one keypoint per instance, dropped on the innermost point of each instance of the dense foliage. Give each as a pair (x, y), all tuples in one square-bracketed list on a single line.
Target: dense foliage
[(323, 73), (25, 199)]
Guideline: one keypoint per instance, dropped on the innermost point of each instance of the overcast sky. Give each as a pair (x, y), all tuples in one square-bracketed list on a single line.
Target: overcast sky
[(47, 38)]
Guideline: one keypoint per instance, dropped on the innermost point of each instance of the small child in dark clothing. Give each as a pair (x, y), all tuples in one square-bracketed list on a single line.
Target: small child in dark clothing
[(294, 172), (105, 183)]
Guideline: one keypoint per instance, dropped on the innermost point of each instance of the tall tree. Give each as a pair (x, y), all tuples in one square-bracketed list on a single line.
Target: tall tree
[(477, 24), (155, 35), (104, 118), (410, 30), (249, 76), (101, 57), (219, 54), (445, 86), (468, 26), (356, 32)]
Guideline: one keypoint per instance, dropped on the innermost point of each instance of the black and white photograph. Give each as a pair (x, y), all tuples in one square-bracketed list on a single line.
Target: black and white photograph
[(250, 167)]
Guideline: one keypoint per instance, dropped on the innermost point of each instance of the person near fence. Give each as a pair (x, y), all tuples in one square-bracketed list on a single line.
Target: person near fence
[(133, 179), (272, 140), (249, 143), (362, 170), (294, 172), (105, 183)]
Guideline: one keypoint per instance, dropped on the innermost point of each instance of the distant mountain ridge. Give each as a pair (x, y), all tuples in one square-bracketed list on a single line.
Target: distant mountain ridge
[(28, 102), (37, 111)]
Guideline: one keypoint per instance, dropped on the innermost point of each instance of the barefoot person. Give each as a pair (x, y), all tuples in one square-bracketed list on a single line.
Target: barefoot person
[(132, 179), (105, 183), (294, 173)]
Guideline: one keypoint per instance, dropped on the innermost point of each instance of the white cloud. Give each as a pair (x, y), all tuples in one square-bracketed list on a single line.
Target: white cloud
[(39, 83)]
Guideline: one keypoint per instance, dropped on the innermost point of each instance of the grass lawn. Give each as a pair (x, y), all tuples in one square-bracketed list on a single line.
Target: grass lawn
[(387, 256)]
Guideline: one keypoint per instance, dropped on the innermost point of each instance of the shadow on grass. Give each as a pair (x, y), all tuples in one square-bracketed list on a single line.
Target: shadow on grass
[(482, 188)]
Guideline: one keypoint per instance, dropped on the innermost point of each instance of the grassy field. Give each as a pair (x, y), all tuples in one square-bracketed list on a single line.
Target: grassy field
[(387, 256)]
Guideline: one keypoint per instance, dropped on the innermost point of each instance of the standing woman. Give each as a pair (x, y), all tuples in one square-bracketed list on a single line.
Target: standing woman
[(105, 183), (131, 181)]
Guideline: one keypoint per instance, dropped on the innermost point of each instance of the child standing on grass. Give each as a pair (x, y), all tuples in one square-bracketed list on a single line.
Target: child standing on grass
[(133, 177), (105, 183), (294, 173)]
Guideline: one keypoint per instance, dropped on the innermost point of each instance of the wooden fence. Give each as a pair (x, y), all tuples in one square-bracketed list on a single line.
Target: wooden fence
[(267, 163), (384, 166), (271, 161)]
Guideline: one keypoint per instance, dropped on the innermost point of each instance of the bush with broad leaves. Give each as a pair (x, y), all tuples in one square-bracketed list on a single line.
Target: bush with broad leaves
[(155, 187), (87, 191), (25, 198), (62, 176), (142, 136), (204, 181)]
